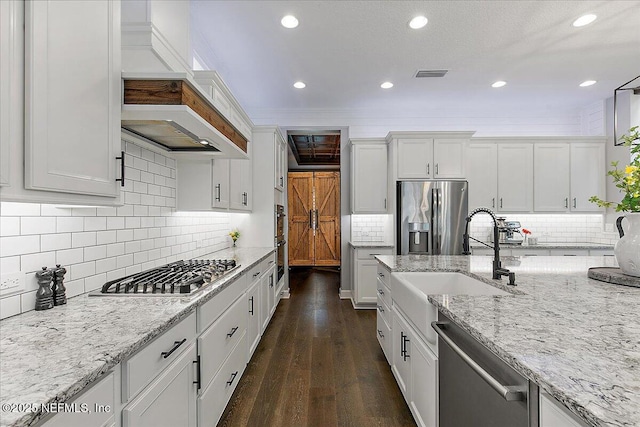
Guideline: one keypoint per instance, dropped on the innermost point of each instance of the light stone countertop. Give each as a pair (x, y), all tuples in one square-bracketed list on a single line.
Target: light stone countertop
[(577, 338), (551, 245), (371, 244), (50, 356)]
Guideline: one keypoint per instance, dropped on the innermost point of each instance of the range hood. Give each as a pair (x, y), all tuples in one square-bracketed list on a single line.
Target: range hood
[(171, 110)]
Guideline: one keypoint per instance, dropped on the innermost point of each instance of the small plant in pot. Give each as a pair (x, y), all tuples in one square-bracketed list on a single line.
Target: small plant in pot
[(235, 235), (627, 249)]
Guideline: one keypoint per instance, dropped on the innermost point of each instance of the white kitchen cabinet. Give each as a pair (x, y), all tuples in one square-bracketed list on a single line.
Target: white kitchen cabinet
[(551, 184), (448, 158), (72, 97), (280, 158), (254, 329), (415, 158), (268, 287), (482, 174), (220, 183), (515, 177), (11, 82), (368, 177), (365, 274), (240, 185), (415, 367), (430, 155), (102, 401), (170, 400), (587, 175), (554, 414)]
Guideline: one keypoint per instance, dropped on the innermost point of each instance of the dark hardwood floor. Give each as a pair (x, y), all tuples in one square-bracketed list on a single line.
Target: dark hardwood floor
[(318, 364)]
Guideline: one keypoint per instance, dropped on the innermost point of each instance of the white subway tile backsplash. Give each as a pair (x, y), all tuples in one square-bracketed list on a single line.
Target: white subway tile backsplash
[(69, 224), (105, 243), (19, 245), (37, 225), (19, 209), (9, 226), (69, 256)]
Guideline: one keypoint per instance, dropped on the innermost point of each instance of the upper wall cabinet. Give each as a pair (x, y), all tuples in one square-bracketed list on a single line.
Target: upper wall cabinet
[(10, 82), (515, 177), (587, 175), (482, 174), (280, 153), (430, 155), (72, 97), (368, 177)]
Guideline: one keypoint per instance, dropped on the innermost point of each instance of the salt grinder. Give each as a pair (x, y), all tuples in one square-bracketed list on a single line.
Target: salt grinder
[(44, 296), (59, 291)]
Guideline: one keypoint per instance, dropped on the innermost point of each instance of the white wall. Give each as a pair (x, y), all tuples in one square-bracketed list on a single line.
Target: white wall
[(100, 244)]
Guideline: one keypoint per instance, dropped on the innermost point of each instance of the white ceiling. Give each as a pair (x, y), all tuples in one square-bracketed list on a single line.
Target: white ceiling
[(344, 50)]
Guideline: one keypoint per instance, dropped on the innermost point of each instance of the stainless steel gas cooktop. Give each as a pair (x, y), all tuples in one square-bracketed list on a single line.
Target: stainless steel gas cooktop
[(180, 278)]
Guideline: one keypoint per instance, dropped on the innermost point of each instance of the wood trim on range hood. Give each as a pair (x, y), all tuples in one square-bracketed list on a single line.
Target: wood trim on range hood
[(176, 92)]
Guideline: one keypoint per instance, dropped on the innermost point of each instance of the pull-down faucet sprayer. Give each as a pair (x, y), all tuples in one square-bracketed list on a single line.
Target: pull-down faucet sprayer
[(498, 271)]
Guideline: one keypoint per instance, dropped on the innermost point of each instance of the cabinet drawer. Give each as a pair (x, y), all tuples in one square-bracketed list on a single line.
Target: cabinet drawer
[(215, 344), (213, 308), (384, 275), (383, 291), (384, 337), (383, 309), (145, 365), (369, 253), (260, 268), (98, 395), (212, 402)]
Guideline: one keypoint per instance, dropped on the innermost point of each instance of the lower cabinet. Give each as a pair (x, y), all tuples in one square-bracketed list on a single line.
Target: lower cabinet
[(267, 303), (554, 414), (254, 324), (365, 274), (415, 368), (170, 400), (215, 397)]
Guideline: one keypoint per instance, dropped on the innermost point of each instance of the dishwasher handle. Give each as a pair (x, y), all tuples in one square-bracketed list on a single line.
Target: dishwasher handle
[(509, 393)]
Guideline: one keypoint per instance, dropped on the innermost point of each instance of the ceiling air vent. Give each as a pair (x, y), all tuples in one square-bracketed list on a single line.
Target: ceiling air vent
[(430, 73)]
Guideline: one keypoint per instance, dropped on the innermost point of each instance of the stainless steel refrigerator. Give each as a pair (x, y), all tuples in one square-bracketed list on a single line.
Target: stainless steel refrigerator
[(431, 217)]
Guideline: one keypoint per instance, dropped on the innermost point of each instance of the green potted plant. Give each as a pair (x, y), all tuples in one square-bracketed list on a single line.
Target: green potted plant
[(627, 249)]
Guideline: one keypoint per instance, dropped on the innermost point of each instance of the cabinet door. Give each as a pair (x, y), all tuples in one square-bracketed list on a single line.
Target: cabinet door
[(366, 288), (254, 323), (587, 175), (220, 183), (551, 177), (170, 400), (239, 184), (265, 309), (415, 158), (482, 174), (369, 179), (72, 95), (11, 81), (401, 367), (272, 291), (424, 393), (448, 158), (280, 150), (515, 177), (553, 414)]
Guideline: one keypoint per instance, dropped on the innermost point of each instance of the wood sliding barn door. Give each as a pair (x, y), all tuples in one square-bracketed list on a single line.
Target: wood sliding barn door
[(314, 218)]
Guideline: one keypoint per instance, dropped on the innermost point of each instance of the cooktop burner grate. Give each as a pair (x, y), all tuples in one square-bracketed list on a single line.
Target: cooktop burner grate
[(177, 278)]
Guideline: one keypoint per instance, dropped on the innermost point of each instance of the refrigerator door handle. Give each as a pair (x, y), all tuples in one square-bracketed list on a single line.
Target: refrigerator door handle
[(435, 221)]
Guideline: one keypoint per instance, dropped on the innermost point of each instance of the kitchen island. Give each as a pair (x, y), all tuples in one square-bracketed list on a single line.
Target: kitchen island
[(51, 356), (577, 338)]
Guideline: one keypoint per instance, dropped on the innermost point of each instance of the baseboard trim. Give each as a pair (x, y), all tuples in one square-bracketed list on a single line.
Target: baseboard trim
[(346, 294), (285, 294)]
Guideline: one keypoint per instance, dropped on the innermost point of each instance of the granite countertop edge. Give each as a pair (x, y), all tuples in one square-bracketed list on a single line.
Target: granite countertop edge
[(370, 244), (70, 391)]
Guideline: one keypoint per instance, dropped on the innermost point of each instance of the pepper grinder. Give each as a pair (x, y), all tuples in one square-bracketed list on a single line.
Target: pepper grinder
[(44, 296), (59, 291)]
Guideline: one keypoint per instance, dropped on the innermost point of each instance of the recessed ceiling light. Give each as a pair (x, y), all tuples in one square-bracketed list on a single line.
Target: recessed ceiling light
[(386, 85), (299, 85), (418, 22), (289, 21), (587, 83), (584, 20), (203, 142), (499, 83)]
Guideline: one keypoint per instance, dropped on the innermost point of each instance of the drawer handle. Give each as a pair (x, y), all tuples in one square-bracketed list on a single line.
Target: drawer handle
[(233, 377), (381, 309), (233, 331), (256, 274), (176, 344), (380, 291), (198, 380), (251, 310), (271, 262), (380, 333), (381, 274)]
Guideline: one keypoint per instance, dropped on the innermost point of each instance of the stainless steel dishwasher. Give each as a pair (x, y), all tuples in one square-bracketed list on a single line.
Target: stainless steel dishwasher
[(478, 389)]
